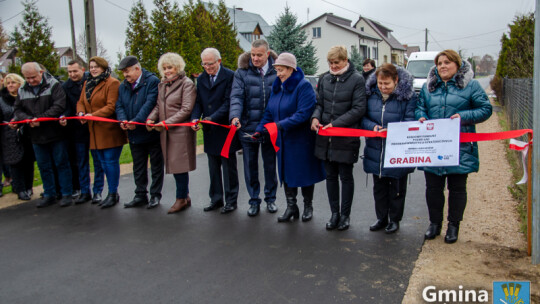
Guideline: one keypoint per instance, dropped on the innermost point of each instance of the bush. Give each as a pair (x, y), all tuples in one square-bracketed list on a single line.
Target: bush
[(496, 84)]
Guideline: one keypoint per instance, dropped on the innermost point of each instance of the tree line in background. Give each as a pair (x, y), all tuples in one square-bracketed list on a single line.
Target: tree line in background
[(516, 58), (186, 30)]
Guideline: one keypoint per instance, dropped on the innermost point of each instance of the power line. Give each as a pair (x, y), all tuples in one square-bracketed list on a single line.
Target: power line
[(112, 3), (472, 36), (13, 16), (437, 42)]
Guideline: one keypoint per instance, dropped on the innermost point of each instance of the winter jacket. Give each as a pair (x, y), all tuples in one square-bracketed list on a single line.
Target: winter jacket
[(213, 101), (250, 91), (50, 101), (462, 95), (290, 106), (103, 135), (76, 131), (11, 142), (135, 104), (342, 102), (399, 106), (174, 105)]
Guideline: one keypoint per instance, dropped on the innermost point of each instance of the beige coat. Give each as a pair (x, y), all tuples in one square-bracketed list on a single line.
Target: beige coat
[(174, 105), (103, 135)]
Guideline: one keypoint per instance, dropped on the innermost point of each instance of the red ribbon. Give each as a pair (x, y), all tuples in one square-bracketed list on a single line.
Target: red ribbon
[(273, 131)]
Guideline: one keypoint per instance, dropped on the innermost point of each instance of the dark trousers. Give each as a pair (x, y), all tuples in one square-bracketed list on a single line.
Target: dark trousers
[(389, 194), (292, 192), (457, 196), (55, 152), (223, 176), (83, 162), (72, 155), (140, 154), (251, 170), (182, 184), (345, 174), (23, 172)]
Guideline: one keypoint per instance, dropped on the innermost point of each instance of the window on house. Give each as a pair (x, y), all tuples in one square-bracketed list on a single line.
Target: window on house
[(374, 53), (64, 61), (362, 28), (316, 32), (364, 51)]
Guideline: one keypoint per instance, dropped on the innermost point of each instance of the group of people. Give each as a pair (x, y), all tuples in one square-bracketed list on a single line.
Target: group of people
[(265, 88)]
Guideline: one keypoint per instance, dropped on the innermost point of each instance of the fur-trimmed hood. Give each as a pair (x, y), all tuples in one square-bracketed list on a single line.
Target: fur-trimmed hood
[(290, 83), (463, 76), (404, 89), (244, 60)]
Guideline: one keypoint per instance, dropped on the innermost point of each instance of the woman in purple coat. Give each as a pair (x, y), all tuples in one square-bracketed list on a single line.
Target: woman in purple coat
[(291, 104)]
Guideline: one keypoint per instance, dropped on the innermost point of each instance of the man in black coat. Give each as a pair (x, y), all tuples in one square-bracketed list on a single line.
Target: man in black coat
[(212, 104), (79, 138)]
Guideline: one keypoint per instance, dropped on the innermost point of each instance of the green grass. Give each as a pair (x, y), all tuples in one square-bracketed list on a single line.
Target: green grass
[(518, 192)]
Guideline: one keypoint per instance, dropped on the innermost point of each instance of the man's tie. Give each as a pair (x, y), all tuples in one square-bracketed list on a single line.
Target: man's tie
[(212, 80), (261, 71)]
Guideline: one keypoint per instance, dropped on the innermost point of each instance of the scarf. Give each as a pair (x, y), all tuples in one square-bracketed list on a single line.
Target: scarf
[(169, 81), (92, 82), (340, 72)]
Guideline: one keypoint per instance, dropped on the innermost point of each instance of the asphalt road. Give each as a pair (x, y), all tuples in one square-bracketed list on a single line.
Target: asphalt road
[(82, 254)]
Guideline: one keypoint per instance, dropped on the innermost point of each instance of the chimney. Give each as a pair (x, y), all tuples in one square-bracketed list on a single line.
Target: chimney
[(239, 9)]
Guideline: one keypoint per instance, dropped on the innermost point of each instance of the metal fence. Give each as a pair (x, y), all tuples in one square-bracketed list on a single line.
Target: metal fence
[(518, 102)]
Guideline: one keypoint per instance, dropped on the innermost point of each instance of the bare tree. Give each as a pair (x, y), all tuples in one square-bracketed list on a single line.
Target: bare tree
[(81, 47)]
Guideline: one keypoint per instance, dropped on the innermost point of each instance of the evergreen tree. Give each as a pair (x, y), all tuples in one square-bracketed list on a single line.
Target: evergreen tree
[(516, 58), (162, 25), (224, 35), (191, 49), (33, 40), (288, 36), (138, 36), (356, 59)]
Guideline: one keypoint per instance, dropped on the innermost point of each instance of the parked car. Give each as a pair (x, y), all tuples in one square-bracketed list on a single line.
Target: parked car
[(419, 65), (313, 80)]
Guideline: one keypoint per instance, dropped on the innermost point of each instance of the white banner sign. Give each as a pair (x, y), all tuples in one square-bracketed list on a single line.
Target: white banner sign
[(434, 143)]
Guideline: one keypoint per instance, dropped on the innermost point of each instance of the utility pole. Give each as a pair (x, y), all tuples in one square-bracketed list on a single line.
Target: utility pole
[(90, 28), (425, 48), (536, 139), (73, 42)]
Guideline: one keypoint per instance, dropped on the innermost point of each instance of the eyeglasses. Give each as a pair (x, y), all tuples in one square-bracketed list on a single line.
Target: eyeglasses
[(205, 64)]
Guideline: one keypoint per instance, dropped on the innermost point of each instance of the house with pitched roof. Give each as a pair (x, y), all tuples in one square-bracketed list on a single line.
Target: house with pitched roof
[(9, 58), (329, 30), (249, 27), (390, 49)]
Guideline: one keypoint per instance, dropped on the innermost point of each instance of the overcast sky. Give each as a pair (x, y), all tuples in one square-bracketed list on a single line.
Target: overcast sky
[(474, 26)]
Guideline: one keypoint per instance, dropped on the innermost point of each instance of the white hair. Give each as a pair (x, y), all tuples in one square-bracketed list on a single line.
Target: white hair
[(212, 51), (30, 66)]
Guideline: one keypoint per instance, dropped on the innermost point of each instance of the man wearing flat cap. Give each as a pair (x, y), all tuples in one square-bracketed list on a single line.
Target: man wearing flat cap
[(137, 97)]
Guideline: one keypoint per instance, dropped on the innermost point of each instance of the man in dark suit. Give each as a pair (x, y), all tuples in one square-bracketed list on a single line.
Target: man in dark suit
[(213, 99)]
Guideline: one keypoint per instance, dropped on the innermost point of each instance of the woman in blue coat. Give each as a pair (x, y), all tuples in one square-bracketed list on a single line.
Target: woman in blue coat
[(451, 92), (290, 106), (391, 98)]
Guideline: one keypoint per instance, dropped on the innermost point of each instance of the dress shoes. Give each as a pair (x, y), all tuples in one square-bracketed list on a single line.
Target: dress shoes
[(66, 201), (76, 194), (111, 200), (333, 222), (213, 206), (83, 198), (153, 202), (23, 195), (137, 201), (228, 208), (46, 201), (271, 207), (433, 230), (96, 199), (344, 222), (392, 227), (253, 210), (179, 205), (452, 232), (378, 225)]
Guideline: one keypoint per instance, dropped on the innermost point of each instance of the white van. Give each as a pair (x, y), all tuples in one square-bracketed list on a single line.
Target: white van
[(419, 65)]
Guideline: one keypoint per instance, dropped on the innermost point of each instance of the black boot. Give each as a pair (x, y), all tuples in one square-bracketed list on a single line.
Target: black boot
[(292, 208), (307, 193), (452, 232), (434, 229), (111, 200), (333, 222)]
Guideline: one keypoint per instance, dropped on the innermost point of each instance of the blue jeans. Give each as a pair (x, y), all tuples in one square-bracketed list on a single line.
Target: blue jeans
[(84, 169), (45, 155), (110, 162), (251, 169), (182, 183)]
